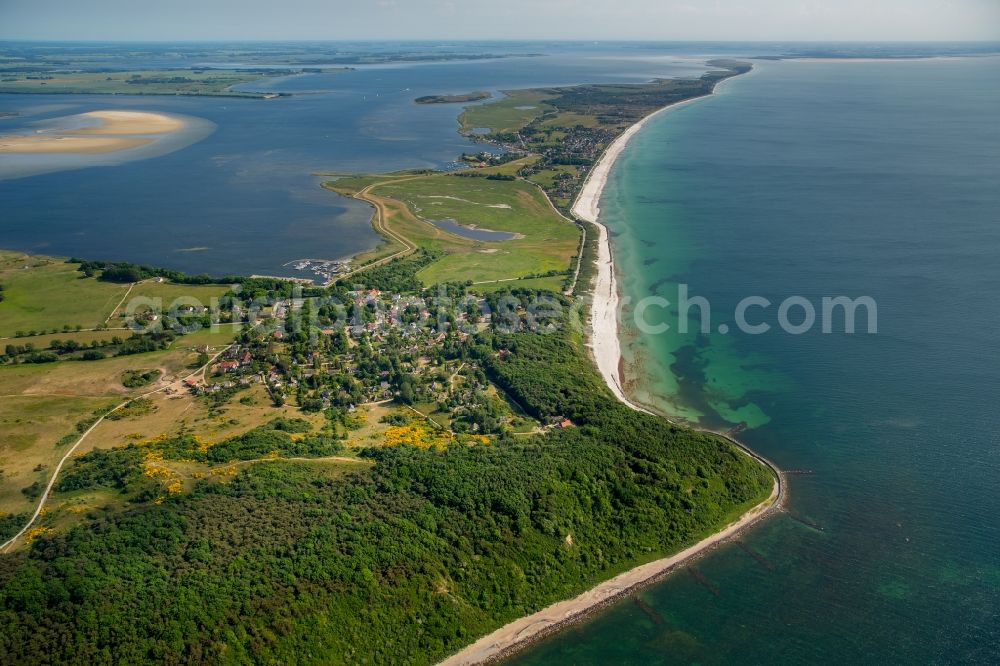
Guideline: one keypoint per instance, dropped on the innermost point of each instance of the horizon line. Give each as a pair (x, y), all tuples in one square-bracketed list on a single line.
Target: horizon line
[(491, 40)]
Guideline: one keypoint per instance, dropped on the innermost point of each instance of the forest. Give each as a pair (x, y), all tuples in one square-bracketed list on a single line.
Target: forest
[(402, 561)]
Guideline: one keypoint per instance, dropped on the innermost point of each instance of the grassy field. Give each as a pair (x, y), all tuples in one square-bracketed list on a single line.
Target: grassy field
[(103, 377), (32, 427), (551, 283), (569, 119), (42, 293), (165, 295), (509, 114), (168, 291), (40, 404), (144, 82), (178, 412), (545, 240)]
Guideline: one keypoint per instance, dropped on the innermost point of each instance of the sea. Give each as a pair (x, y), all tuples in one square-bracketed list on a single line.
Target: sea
[(803, 180)]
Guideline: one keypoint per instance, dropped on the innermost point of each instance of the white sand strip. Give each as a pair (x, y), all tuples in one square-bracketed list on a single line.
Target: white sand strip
[(604, 312), (506, 640), (607, 355)]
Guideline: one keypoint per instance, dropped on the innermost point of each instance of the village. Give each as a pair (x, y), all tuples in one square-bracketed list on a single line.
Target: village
[(389, 350)]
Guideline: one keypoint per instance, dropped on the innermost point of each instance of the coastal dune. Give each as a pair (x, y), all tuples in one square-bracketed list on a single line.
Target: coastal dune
[(115, 131), (606, 348)]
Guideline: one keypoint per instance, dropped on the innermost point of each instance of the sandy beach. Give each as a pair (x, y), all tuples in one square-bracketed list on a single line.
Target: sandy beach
[(606, 348), (115, 131), (508, 639), (604, 311)]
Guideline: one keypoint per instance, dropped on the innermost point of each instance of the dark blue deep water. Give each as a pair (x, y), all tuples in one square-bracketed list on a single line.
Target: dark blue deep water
[(824, 179)]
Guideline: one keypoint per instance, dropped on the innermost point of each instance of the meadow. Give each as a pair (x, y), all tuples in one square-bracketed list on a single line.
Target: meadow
[(47, 406), (47, 295), (43, 293), (545, 241), (509, 114), (135, 82), (43, 406)]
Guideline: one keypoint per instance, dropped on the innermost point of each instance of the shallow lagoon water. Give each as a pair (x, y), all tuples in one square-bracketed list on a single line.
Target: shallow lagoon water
[(244, 199)]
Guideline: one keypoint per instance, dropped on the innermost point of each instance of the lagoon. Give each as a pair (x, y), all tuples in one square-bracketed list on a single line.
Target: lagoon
[(243, 199)]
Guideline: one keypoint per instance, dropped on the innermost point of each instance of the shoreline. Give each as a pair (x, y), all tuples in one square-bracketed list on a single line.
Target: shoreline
[(605, 346), (519, 634), (604, 342)]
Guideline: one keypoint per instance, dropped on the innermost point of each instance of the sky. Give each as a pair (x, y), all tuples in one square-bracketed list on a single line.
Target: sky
[(739, 20)]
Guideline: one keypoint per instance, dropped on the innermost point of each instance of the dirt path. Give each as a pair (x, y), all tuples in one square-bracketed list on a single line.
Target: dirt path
[(115, 309), (380, 225), (55, 475)]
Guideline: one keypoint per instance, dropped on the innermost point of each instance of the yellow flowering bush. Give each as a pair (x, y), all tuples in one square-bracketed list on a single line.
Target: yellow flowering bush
[(36, 532), (414, 434)]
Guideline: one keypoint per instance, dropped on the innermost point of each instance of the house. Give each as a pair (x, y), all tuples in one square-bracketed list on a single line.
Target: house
[(559, 422), (229, 365)]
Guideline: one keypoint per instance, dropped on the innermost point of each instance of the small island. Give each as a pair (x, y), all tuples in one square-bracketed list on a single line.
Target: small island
[(476, 96)]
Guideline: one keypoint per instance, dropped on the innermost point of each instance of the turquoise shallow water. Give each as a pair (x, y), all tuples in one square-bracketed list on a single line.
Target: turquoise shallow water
[(825, 179)]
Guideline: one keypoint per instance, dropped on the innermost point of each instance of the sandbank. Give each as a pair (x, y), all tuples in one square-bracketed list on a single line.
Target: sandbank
[(114, 132)]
